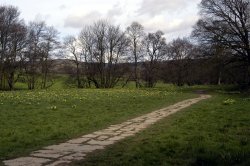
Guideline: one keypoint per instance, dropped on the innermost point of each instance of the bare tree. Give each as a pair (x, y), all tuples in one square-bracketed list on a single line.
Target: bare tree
[(103, 47), (117, 44), (34, 52), (155, 45), (136, 35), (180, 51), (227, 22), (72, 47), (87, 44), (12, 37), (50, 44)]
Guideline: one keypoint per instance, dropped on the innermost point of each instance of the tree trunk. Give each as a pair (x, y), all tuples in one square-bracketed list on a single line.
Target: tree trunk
[(248, 68), (179, 78), (137, 84), (11, 80), (45, 79), (78, 76), (1, 80), (219, 78), (248, 76), (33, 82), (45, 74)]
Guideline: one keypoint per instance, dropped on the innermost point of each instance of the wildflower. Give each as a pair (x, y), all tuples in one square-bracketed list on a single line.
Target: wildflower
[(229, 102), (53, 108)]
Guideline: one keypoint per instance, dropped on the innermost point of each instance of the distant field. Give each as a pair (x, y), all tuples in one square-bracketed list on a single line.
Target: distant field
[(33, 119), (213, 132)]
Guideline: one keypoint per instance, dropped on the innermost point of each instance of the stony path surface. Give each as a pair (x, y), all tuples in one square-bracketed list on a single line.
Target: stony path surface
[(76, 149)]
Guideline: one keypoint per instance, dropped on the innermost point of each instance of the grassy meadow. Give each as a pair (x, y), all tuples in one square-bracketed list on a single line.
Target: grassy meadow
[(212, 132), (33, 119)]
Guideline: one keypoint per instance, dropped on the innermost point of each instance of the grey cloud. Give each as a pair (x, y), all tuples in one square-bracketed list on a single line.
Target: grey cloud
[(182, 25), (80, 21), (115, 11), (42, 17), (155, 7), (62, 7)]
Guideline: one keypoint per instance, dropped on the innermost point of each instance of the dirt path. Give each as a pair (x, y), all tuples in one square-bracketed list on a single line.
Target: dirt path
[(77, 149)]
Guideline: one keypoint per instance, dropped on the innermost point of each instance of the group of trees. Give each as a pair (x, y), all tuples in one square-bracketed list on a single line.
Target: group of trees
[(24, 50), (12, 35), (97, 53), (218, 53), (103, 54), (224, 28)]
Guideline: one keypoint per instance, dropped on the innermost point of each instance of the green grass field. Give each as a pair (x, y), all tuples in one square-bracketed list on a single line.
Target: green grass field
[(213, 132), (33, 119)]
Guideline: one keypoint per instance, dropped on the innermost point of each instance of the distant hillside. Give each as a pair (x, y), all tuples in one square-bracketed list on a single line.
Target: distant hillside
[(62, 66)]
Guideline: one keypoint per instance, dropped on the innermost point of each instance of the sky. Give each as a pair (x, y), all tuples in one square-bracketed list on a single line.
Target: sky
[(174, 17)]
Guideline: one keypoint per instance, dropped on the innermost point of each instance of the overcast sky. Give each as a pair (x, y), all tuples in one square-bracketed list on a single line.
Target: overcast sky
[(174, 17)]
